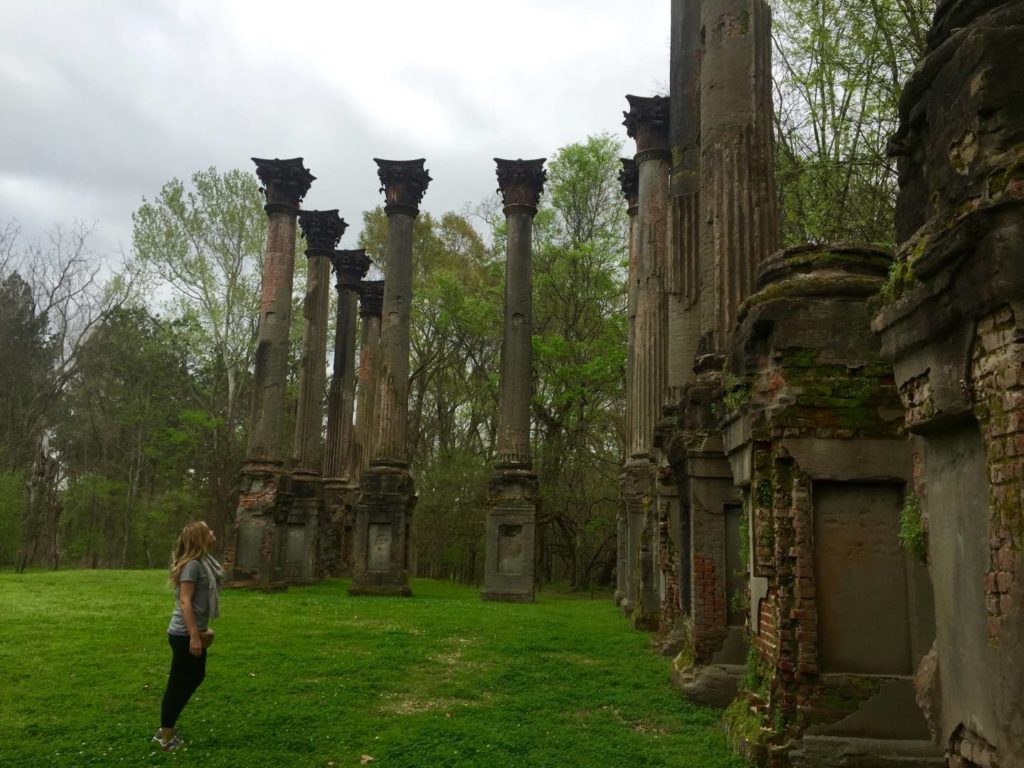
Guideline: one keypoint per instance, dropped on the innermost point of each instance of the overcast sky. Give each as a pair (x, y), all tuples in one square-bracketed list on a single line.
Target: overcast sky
[(102, 101)]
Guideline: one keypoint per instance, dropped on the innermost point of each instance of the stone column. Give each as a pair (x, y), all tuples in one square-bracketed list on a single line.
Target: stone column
[(285, 183), (683, 285), (371, 300), (336, 552), (627, 540), (350, 267), (738, 204), (253, 546), (323, 230), (509, 573), (647, 121), (300, 530), (386, 494), (738, 231)]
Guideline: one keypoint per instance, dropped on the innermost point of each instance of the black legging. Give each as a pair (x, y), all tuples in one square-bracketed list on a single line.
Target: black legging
[(187, 672)]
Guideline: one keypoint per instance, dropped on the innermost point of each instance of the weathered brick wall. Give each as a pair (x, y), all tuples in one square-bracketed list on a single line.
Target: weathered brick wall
[(709, 602), (997, 374)]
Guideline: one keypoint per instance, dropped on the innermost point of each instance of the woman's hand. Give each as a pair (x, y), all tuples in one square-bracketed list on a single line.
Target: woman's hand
[(195, 645)]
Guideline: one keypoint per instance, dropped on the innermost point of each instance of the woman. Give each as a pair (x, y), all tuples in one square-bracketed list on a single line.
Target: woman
[(196, 577)]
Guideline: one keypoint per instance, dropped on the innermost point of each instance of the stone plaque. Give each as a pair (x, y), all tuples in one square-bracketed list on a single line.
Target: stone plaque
[(379, 542), (296, 545), (250, 538), (510, 549), (861, 579)]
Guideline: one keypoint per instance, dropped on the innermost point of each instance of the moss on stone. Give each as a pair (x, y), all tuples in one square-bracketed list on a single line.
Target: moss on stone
[(743, 727)]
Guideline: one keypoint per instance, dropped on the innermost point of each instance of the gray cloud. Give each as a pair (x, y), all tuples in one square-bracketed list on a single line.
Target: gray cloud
[(105, 101)]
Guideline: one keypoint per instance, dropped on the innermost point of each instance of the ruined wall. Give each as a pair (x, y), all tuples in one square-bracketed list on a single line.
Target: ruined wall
[(950, 322)]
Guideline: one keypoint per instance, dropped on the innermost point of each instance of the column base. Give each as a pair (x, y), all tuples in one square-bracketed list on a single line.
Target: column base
[(509, 568), (383, 515), (336, 527), (253, 557)]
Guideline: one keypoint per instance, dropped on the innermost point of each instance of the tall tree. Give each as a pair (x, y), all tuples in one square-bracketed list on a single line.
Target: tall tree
[(58, 296), (202, 244), (839, 70), (129, 436), (579, 357)]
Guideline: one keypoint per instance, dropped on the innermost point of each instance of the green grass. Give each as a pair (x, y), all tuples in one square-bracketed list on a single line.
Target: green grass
[(312, 677)]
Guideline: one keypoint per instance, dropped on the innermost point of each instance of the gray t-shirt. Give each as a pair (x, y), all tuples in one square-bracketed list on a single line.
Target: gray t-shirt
[(194, 572)]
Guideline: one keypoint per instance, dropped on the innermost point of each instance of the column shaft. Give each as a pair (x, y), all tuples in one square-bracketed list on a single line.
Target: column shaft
[(516, 351), (740, 221), (341, 396), (393, 373), (308, 446), (271, 360), (367, 376)]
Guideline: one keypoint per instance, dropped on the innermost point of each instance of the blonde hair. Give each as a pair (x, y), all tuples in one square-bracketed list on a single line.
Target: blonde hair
[(193, 543)]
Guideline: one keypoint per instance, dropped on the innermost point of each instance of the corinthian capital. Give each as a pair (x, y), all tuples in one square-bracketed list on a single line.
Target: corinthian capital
[(285, 182), (403, 182), (647, 122), (323, 230), (629, 180), (350, 266), (520, 182)]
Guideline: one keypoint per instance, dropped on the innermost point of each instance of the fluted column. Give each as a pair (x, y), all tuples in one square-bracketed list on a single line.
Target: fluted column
[(285, 183), (627, 540), (371, 301), (647, 121), (739, 221), (349, 266), (323, 230), (386, 490), (253, 552), (682, 282), (509, 573)]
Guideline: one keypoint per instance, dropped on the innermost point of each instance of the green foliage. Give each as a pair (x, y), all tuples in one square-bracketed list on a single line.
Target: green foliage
[(839, 70), (128, 435), (12, 502), (740, 601), (898, 281), (26, 347), (913, 536), (756, 678), (579, 357), (742, 726), (311, 677), (202, 245)]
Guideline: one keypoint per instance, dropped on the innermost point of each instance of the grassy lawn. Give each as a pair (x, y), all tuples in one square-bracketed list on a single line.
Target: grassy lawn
[(312, 677)]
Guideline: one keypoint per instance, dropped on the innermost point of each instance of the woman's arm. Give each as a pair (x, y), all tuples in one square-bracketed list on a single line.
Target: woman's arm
[(195, 643)]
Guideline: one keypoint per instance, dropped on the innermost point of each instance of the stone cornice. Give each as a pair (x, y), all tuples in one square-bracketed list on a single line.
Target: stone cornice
[(629, 180), (403, 182), (323, 230), (520, 183), (647, 121), (285, 182), (350, 266), (371, 298)]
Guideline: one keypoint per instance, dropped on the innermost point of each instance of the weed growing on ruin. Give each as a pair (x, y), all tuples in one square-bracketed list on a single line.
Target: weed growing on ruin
[(913, 537), (313, 677)]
